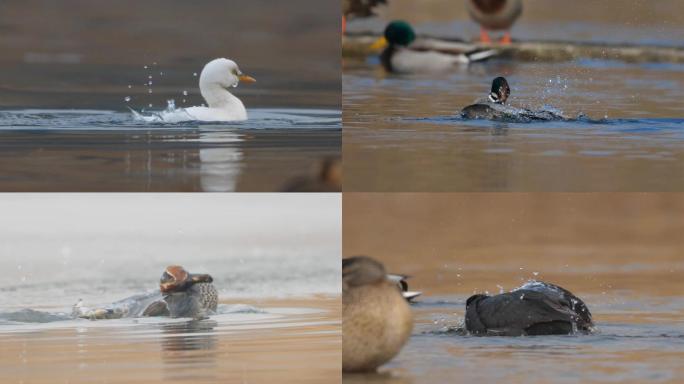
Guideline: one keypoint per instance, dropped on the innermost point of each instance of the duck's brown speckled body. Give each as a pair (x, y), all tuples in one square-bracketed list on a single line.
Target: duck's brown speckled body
[(181, 294), (376, 319)]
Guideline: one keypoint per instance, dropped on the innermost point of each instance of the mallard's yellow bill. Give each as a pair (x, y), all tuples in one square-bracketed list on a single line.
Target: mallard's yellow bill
[(379, 44)]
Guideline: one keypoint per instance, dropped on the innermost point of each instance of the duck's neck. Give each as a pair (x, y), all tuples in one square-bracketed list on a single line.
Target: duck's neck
[(219, 97)]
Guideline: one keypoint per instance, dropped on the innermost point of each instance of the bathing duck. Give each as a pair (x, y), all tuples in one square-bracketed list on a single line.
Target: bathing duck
[(399, 56), (186, 294), (376, 319), (328, 178), (536, 308), (494, 107), (485, 108), (495, 15), (180, 294), (217, 77)]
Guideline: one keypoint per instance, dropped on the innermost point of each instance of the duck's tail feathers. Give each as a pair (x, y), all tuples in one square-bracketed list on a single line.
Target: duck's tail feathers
[(480, 55), (410, 295)]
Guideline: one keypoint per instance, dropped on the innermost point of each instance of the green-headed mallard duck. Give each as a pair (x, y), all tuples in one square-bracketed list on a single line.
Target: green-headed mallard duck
[(495, 15), (400, 56), (376, 318), (536, 308)]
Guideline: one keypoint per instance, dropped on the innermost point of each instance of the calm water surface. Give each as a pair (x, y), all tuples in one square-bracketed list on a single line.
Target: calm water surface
[(279, 306), (100, 150), (621, 253), (402, 134)]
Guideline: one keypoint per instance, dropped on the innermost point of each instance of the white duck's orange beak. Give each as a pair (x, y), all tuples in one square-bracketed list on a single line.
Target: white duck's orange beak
[(247, 79)]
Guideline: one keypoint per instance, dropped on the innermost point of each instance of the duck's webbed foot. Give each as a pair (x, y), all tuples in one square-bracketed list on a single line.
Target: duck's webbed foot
[(484, 36), (506, 39)]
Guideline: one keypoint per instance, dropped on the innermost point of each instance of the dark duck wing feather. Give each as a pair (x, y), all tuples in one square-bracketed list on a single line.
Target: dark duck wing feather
[(534, 309)]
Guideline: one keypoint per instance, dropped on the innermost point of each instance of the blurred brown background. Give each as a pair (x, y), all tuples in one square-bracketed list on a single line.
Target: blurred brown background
[(84, 53), (460, 242), (638, 12)]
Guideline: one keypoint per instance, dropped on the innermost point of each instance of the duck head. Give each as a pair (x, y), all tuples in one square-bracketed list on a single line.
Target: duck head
[(175, 278), (500, 91), (362, 270), (398, 32), (223, 72)]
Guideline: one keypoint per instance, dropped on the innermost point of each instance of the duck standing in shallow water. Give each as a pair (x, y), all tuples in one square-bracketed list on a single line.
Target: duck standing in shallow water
[(180, 294), (399, 56), (376, 318), (495, 15), (536, 308)]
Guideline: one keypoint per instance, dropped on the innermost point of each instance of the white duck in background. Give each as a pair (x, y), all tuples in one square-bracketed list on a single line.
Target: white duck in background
[(217, 77)]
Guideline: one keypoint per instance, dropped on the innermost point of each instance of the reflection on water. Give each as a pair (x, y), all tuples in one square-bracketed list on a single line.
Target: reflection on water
[(60, 150), (189, 350), (402, 132), (291, 341), (220, 167), (619, 252)]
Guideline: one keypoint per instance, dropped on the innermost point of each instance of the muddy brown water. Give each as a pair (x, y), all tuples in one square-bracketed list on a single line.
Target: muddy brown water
[(292, 346), (621, 253), (402, 132)]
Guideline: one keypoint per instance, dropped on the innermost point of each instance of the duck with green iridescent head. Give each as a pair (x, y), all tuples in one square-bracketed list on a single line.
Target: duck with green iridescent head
[(402, 56)]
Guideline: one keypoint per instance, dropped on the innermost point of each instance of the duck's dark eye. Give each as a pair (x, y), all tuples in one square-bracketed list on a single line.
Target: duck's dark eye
[(166, 277)]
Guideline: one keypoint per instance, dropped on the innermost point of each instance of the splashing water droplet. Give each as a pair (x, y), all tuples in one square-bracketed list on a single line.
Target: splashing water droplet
[(194, 74), (145, 67), (130, 86), (149, 82), (149, 105), (185, 93), (183, 100), (127, 98), (149, 77), (149, 90), (170, 105), (155, 63), (161, 73), (535, 273)]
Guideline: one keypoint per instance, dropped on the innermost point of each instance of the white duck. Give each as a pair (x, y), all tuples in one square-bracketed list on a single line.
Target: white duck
[(216, 78)]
